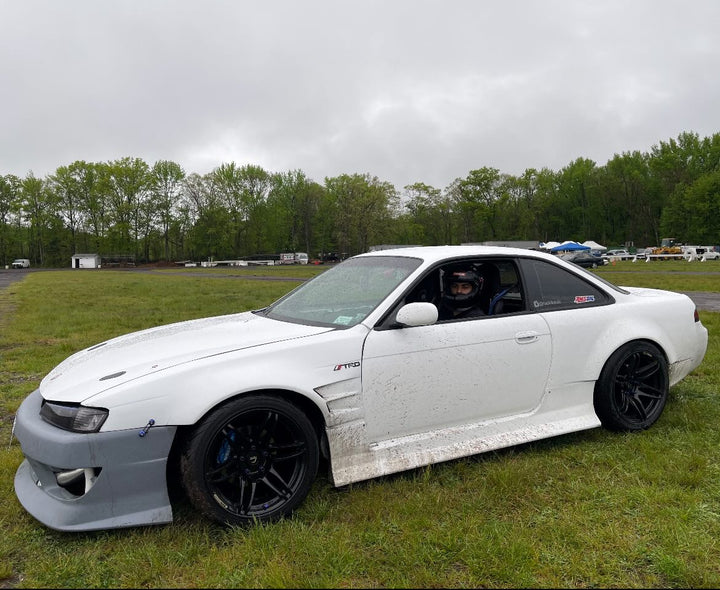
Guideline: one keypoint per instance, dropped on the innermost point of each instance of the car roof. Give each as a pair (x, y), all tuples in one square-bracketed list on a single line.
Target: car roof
[(437, 253)]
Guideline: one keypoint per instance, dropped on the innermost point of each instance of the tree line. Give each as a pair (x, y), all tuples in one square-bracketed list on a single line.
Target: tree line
[(159, 212)]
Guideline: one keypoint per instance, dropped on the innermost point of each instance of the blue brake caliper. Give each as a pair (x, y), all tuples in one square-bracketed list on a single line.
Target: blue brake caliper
[(224, 450)]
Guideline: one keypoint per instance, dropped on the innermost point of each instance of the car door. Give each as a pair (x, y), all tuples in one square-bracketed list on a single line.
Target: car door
[(425, 378)]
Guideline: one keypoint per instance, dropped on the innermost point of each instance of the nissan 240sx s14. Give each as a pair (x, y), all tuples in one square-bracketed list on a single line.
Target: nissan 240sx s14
[(362, 365)]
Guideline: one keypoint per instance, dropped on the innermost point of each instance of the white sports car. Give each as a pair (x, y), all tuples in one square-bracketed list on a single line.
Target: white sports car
[(373, 364)]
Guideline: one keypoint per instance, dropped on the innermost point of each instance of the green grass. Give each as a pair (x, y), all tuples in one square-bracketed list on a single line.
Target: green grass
[(302, 271), (674, 275), (590, 509)]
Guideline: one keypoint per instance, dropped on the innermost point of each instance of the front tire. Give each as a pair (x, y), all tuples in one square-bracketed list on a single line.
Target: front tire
[(253, 459), (633, 387)]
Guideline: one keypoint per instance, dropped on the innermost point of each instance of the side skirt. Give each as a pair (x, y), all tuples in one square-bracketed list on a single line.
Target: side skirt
[(353, 459)]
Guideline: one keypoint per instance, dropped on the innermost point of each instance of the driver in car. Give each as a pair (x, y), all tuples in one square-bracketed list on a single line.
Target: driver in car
[(461, 294)]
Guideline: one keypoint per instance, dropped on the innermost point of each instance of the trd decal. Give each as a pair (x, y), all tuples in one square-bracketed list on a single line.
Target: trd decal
[(347, 366)]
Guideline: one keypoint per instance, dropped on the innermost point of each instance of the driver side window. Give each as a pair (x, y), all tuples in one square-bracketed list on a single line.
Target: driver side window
[(495, 289)]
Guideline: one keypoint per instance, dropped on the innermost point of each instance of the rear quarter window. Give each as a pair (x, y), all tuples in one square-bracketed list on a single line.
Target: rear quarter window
[(551, 287)]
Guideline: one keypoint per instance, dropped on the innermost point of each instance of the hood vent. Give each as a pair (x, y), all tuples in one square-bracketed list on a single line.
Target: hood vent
[(112, 376)]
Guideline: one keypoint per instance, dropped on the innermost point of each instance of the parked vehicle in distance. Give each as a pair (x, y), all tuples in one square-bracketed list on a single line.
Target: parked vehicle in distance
[(20, 263), (700, 253), (711, 253), (293, 258), (618, 254), (584, 259), (671, 247), (331, 257), (355, 366)]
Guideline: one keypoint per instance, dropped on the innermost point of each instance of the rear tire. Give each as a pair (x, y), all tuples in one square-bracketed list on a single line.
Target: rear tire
[(253, 459), (633, 387)]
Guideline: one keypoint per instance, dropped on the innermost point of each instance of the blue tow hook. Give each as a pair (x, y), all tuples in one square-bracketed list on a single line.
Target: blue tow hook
[(145, 430)]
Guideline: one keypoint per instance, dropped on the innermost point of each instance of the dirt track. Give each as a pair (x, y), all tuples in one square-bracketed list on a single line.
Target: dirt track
[(7, 277), (705, 301)]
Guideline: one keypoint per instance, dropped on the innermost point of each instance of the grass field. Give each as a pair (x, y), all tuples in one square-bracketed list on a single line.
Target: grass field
[(591, 509)]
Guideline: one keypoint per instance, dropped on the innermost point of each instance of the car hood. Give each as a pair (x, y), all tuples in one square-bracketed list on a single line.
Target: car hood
[(122, 359)]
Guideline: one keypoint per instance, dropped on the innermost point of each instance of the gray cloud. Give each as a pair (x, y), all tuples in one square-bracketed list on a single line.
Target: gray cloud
[(406, 90)]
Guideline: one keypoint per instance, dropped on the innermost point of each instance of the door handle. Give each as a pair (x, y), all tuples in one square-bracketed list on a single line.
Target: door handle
[(526, 337)]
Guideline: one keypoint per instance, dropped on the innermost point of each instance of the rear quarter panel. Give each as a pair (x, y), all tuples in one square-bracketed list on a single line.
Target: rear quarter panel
[(583, 339)]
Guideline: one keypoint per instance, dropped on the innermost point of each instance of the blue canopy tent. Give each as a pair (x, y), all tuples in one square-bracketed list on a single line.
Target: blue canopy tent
[(569, 247)]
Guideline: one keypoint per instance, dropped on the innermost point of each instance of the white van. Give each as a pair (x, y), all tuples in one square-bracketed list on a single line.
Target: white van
[(301, 258), (21, 263)]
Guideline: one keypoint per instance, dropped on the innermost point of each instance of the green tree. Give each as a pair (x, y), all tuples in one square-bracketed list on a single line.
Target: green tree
[(210, 230), (166, 183), (243, 191), (630, 201), (65, 187), (126, 184), (429, 215), (78, 203), (547, 204), (576, 183), (292, 203), (517, 218), (39, 206), (678, 161), (363, 208), (94, 201), (9, 199), (525, 193), (477, 202), (693, 214)]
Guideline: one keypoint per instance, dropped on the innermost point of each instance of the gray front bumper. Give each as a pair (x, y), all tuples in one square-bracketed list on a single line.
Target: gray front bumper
[(130, 489)]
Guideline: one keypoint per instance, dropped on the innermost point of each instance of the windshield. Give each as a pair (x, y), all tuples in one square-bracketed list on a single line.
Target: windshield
[(345, 294)]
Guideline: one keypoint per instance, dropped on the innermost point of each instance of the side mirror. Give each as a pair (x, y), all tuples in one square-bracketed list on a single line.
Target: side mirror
[(419, 313)]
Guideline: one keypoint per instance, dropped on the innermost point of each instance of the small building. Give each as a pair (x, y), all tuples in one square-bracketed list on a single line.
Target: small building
[(85, 261)]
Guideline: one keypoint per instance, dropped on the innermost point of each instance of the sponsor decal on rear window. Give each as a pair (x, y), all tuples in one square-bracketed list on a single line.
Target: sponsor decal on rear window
[(537, 303), (584, 298)]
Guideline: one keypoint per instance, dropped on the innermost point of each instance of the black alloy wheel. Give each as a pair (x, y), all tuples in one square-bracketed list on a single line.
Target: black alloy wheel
[(251, 460), (633, 387)]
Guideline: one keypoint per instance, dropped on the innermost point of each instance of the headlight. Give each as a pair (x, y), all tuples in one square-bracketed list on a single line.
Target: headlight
[(73, 417)]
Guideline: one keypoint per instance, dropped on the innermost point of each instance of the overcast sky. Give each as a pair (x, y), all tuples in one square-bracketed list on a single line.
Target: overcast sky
[(405, 90)]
